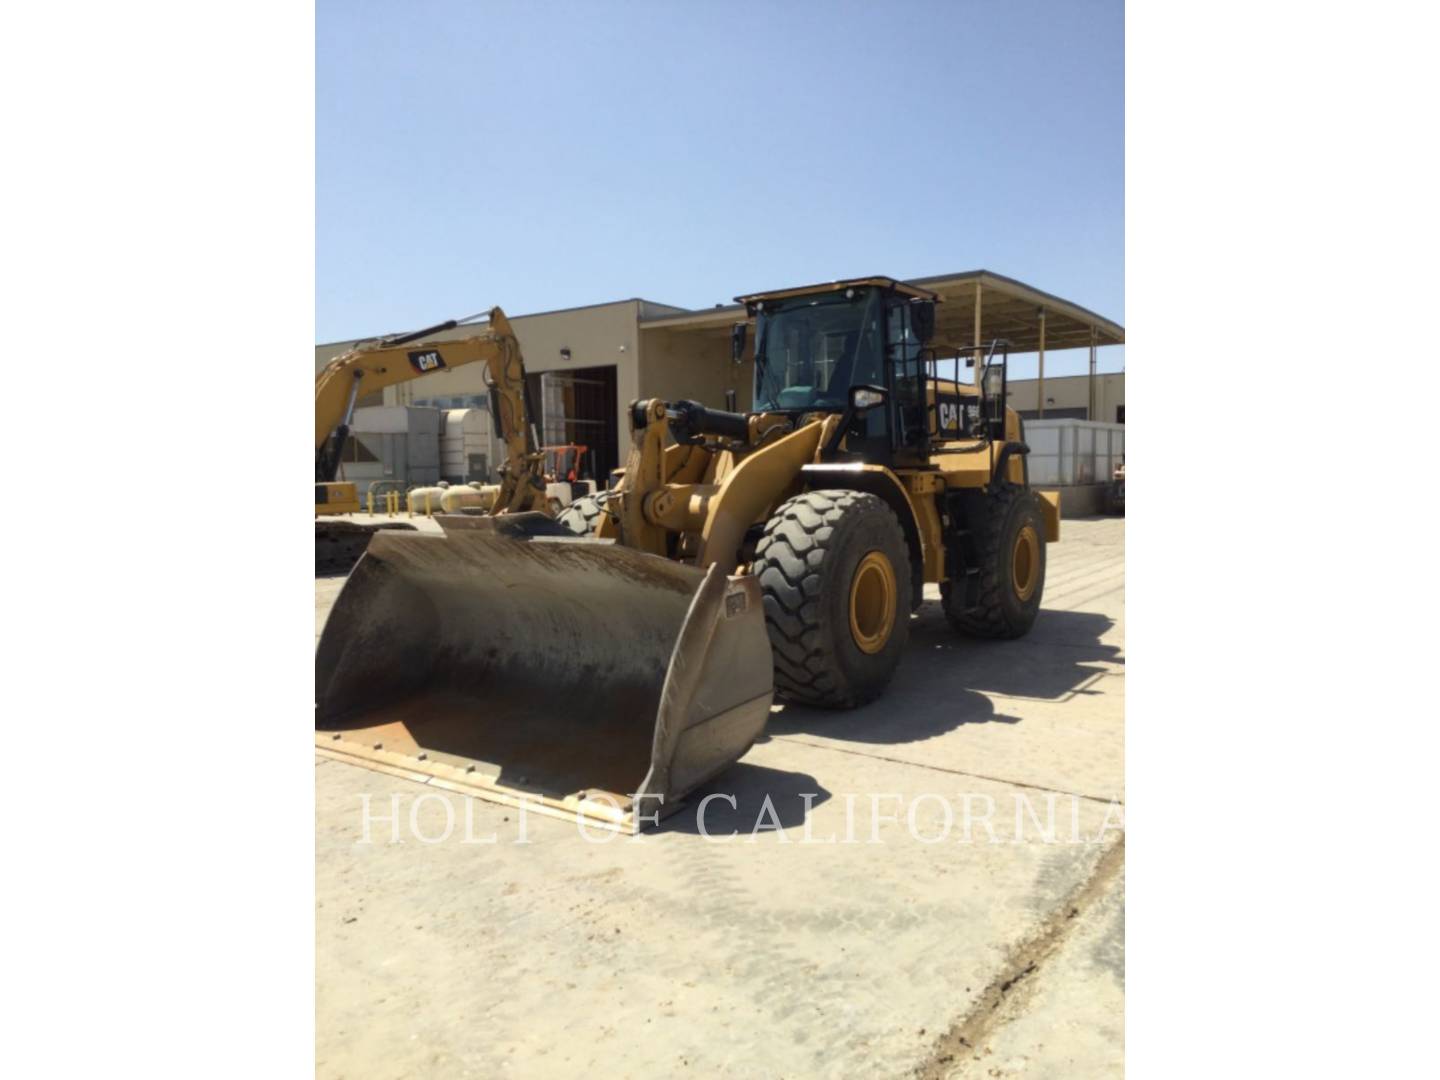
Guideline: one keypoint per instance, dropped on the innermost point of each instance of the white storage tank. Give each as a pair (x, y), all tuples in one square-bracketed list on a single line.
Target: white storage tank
[(423, 500), (469, 496)]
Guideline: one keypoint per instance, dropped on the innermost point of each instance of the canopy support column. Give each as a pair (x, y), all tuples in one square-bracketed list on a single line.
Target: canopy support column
[(979, 353), (1094, 402), (1040, 400)]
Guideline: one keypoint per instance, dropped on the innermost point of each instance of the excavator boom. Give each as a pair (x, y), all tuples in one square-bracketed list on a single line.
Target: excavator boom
[(372, 367)]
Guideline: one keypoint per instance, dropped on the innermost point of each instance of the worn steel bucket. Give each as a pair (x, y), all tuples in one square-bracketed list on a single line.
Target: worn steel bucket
[(339, 544), (581, 677)]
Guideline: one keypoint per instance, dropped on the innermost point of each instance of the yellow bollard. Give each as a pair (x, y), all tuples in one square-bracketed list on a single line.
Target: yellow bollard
[(427, 505), (370, 502)]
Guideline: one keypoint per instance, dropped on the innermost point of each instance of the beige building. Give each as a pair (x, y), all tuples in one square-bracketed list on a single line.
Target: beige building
[(1068, 396), (586, 364)]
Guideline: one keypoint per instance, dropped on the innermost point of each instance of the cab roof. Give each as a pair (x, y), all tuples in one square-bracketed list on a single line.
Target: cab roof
[(838, 286)]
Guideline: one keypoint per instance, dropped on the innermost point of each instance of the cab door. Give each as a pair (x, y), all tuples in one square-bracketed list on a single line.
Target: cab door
[(905, 369)]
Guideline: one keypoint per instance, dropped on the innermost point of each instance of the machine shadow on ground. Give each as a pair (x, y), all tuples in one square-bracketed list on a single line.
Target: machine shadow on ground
[(883, 723), (749, 786), (1060, 657)]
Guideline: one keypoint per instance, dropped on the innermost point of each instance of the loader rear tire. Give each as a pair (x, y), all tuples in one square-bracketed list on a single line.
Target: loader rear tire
[(1010, 556), (582, 516), (834, 573)]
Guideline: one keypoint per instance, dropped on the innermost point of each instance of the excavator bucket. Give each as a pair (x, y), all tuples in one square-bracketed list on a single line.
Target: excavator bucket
[(509, 660)]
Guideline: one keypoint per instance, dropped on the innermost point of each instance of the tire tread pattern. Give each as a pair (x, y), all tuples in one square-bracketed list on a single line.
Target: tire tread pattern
[(987, 619), (788, 561), (582, 516)]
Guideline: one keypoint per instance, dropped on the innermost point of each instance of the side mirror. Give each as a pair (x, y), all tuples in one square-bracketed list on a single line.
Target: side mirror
[(922, 320), (737, 342), (865, 398)]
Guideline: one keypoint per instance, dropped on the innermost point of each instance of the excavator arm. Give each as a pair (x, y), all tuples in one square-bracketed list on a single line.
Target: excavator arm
[(374, 366)]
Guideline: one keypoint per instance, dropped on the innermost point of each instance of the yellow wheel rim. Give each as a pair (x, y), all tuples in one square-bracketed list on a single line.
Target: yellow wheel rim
[(1025, 563), (872, 603)]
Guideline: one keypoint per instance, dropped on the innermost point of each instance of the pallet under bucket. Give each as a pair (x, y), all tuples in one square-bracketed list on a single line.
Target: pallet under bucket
[(579, 677)]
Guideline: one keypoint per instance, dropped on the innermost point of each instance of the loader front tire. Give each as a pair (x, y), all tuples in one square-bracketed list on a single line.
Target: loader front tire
[(834, 573), (582, 516), (1009, 551)]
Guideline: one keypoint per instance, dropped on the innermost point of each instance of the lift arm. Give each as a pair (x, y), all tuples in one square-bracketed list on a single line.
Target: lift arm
[(374, 366)]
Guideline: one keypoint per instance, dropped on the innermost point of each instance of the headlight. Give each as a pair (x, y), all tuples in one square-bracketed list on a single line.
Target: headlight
[(862, 398)]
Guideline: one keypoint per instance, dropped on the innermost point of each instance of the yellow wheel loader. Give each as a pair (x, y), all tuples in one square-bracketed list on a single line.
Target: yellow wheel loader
[(608, 663), (375, 365)]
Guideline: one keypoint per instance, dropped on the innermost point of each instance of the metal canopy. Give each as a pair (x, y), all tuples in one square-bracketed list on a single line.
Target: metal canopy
[(1011, 309)]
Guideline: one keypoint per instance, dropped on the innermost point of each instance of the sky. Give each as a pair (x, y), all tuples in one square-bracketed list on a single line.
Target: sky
[(547, 155)]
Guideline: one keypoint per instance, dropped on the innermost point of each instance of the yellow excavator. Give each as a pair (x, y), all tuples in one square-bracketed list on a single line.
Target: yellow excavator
[(372, 366), (606, 664)]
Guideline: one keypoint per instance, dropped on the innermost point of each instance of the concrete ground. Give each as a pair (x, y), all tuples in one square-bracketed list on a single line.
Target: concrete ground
[(836, 941)]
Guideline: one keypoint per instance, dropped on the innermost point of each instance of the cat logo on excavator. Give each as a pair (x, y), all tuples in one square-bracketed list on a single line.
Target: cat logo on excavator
[(426, 360)]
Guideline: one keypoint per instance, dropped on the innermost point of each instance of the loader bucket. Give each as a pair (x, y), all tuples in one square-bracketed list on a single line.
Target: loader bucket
[(582, 678)]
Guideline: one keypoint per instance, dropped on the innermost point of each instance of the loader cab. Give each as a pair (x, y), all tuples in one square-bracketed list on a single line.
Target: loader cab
[(813, 345)]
